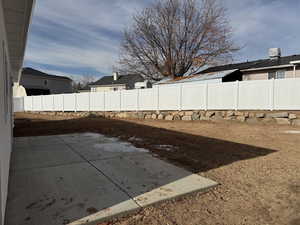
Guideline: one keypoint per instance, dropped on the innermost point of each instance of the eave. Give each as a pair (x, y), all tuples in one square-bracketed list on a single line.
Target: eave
[(17, 17), (268, 68)]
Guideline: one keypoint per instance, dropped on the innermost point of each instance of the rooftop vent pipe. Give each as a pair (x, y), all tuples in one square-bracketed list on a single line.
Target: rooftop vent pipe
[(274, 53), (115, 75)]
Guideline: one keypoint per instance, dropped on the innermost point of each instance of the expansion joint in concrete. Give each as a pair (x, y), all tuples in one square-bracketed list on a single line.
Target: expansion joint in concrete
[(105, 175)]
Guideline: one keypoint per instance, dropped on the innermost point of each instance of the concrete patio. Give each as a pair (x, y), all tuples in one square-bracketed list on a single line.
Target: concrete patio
[(88, 178)]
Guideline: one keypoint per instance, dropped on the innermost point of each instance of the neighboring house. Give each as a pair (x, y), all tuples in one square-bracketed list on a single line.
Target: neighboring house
[(14, 22), (275, 66), (120, 82), (39, 83), (215, 77)]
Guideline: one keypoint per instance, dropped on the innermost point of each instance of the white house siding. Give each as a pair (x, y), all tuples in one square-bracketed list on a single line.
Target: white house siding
[(5, 116), (107, 88)]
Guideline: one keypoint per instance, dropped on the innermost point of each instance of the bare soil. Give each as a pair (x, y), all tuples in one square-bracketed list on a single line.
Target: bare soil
[(257, 166)]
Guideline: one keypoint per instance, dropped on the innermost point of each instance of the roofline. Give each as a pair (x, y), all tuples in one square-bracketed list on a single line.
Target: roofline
[(295, 62), (105, 85), (53, 76), (188, 81), (26, 22), (269, 67), (48, 76), (36, 87), (30, 10)]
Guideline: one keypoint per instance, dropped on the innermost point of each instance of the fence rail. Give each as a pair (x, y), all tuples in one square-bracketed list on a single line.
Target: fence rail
[(281, 94)]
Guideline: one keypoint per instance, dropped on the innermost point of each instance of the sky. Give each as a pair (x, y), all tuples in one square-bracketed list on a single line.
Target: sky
[(82, 37)]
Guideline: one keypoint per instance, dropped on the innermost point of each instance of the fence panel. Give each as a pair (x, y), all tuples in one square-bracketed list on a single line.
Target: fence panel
[(28, 103), (83, 102), (18, 104), (193, 96), (280, 94), (97, 101), (254, 95), (47, 101), (69, 102), (58, 102), (37, 103), (287, 94), (129, 100), (221, 96), (169, 97), (148, 99), (113, 101)]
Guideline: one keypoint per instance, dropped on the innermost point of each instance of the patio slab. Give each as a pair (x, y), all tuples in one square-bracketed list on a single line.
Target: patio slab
[(88, 178), (30, 159), (60, 195), (149, 180), (96, 151)]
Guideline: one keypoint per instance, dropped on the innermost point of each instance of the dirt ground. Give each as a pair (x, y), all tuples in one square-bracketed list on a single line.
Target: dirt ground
[(257, 166)]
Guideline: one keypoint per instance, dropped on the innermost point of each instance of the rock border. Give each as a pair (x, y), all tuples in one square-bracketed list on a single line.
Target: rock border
[(281, 118)]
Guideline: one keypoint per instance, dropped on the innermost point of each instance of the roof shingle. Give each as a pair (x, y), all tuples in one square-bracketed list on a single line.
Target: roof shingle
[(254, 64), (30, 71), (122, 79)]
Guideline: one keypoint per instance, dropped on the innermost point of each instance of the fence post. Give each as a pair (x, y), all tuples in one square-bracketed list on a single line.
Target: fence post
[(138, 100), (41, 101), (23, 104), (53, 103), (31, 103), (272, 94), (75, 106), (89, 101), (63, 105), (180, 96), (104, 103), (157, 92), (206, 96), (237, 95), (120, 93)]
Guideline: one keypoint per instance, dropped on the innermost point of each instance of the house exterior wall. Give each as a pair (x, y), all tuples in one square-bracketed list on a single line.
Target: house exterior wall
[(55, 85), (263, 74), (107, 88), (5, 116), (144, 84)]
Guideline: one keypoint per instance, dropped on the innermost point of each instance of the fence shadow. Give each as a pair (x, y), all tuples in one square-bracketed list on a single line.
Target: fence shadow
[(57, 193), (193, 152)]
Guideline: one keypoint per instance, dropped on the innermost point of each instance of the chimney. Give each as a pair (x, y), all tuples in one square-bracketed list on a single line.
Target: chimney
[(115, 75), (274, 53)]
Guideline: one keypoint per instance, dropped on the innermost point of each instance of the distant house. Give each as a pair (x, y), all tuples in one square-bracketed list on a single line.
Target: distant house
[(215, 77), (120, 82), (275, 66), (39, 83)]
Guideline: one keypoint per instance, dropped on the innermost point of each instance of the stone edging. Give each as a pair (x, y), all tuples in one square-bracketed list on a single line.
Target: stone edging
[(282, 118)]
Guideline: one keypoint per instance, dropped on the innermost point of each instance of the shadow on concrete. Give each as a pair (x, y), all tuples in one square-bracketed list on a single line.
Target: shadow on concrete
[(193, 152), (67, 184)]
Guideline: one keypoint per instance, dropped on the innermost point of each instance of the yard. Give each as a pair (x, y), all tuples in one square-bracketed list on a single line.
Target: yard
[(257, 166)]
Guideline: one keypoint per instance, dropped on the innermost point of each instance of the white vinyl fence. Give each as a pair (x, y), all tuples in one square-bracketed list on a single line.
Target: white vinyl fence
[(281, 94)]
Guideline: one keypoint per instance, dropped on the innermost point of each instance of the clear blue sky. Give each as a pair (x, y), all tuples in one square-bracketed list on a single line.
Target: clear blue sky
[(80, 37)]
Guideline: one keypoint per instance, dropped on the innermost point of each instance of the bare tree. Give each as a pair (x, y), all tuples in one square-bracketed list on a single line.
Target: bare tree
[(176, 37), (83, 82)]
